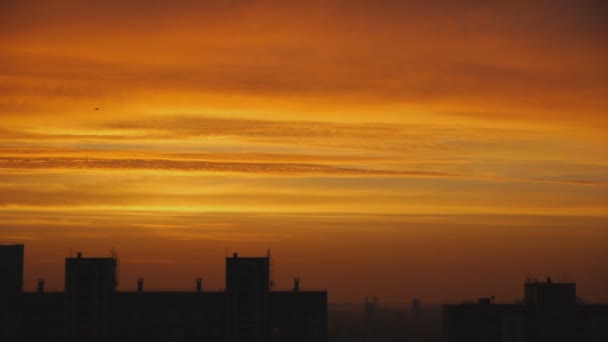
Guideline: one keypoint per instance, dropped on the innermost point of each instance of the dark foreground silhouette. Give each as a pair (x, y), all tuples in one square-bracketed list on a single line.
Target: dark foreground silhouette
[(549, 312), (91, 310)]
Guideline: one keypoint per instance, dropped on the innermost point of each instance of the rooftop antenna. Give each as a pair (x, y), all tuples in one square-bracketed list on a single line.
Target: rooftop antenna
[(271, 284), (116, 265)]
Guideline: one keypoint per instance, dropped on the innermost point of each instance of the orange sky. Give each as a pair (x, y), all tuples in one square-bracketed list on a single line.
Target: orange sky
[(439, 150)]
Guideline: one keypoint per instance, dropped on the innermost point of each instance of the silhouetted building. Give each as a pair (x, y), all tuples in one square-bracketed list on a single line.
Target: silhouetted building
[(90, 284), (247, 292), (11, 288), (91, 309), (369, 308), (11, 270), (416, 309), (549, 312)]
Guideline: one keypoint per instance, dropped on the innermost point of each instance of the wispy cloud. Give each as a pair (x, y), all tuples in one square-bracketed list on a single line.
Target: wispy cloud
[(42, 163)]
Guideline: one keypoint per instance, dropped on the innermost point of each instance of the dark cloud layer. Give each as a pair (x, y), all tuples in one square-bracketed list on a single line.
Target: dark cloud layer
[(43, 163)]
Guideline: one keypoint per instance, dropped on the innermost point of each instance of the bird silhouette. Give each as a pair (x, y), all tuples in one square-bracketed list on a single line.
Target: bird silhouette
[(97, 109)]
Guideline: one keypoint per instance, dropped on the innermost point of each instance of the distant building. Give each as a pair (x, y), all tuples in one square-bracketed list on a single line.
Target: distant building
[(369, 308), (549, 313), (92, 310), (416, 309)]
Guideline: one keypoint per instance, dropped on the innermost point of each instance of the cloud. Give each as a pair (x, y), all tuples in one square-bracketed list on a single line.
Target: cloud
[(201, 143), (483, 59), (271, 168), (45, 163)]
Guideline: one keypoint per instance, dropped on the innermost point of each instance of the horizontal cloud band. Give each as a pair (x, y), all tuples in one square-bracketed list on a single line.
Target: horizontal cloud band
[(41, 163)]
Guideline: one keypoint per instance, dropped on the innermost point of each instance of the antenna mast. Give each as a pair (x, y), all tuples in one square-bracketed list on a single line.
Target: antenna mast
[(270, 266)]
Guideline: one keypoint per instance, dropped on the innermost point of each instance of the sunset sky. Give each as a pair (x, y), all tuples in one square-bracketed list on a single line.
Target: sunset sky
[(434, 149)]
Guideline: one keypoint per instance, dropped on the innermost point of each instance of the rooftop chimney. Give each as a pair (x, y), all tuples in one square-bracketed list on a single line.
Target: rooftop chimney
[(40, 285), (199, 285), (79, 255), (296, 284), (140, 284), (235, 255)]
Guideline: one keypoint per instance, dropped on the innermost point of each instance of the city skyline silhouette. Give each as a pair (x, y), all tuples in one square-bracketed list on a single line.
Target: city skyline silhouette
[(250, 307), (404, 156)]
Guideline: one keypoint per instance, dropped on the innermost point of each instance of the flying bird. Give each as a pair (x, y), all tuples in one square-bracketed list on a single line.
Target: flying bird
[(97, 109)]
